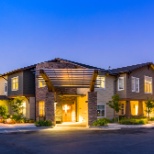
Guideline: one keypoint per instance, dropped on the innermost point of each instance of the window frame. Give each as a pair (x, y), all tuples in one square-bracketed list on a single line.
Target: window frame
[(101, 110), (151, 84), (43, 115), (16, 89), (5, 88), (39, 84), (135, 79), (122, 77), (100, 87)]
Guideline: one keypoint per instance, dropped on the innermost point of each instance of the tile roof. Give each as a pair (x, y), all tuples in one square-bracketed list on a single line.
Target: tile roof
[(128, 69)]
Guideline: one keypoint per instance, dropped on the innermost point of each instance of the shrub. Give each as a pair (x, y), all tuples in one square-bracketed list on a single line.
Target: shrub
[(101, 122), (133, 121), (18, 118), (43, 123), (3, 111), (152, 119)]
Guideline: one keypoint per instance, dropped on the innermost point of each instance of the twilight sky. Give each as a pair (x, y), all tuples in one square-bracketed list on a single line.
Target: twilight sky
[(101, 33)]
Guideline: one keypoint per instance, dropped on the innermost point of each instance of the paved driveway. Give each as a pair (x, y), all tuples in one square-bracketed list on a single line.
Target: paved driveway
[(132, 141)]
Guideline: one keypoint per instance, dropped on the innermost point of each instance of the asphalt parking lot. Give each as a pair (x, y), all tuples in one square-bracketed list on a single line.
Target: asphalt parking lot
[(132, 141)]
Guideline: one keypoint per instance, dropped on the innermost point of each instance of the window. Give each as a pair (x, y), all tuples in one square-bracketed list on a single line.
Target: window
[(15, 83), (120, 83), (41, 108), (41, 83), (135, 84), (100, 82), (122, 109), (147, 84), (5, 88), (100, 110), (23, 111)]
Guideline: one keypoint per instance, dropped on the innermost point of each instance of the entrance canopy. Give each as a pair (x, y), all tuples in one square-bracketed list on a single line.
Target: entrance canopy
[(77, 78)]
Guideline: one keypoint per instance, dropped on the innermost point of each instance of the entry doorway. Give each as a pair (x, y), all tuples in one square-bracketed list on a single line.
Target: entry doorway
[(67, 113)]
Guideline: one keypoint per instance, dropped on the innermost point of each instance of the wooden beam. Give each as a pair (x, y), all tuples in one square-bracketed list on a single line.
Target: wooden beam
[(93, 80), (152, 66), (48, 81)]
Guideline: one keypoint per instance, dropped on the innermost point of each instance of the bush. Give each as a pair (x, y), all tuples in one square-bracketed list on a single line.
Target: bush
[(3, 111), (101, 122), (152, 119), (18, 118), (43, 123), (133, 121)]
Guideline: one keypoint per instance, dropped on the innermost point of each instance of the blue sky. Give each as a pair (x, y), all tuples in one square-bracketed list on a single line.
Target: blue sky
[(96, 32)]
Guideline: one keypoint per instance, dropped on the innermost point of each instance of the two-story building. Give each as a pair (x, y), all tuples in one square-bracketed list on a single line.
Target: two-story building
[(66, 91), (19, 83), (134, 84)]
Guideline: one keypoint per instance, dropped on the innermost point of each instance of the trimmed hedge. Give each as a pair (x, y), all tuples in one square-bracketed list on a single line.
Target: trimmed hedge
[(133, 121), (101, 122)]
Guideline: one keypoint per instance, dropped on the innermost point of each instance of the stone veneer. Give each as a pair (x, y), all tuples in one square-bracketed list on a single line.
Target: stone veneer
[(49, 98), (92, 107)]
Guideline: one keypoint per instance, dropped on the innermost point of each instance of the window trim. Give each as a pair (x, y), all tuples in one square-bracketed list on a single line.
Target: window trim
[(151, 85), (135, 84), (39, 84), (104, 110), (5, 88), (100, 84), (17, 77), (121, 77), (39, 108)]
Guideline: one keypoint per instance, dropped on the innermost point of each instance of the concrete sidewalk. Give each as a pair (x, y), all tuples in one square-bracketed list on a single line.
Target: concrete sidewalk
[(17, 128)]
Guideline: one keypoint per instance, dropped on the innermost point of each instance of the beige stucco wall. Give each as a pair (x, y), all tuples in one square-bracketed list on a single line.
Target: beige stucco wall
[(82, 105), (105, 95), (2, 85)]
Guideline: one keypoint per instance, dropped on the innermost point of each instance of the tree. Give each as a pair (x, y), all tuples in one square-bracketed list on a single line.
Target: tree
[(115, 104), (149, 106), (17, 105)]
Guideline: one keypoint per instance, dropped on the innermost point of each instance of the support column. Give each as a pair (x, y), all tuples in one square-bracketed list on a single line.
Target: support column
[(92, 107), (140, 108), (128, 109), (49, 107)]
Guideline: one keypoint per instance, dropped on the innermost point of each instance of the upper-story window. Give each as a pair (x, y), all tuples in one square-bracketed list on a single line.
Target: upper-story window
[(148, 84), (15, 83), (120, 83), (100, 82), (41, 83), (135, 84), (5, 88)]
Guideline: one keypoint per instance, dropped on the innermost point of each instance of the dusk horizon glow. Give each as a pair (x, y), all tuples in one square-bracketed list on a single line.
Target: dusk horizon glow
[(98, 33)]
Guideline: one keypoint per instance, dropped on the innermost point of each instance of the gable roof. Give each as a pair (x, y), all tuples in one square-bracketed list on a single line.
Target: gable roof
[(19, 70), (77, 63), (53, 60), (128, 69)]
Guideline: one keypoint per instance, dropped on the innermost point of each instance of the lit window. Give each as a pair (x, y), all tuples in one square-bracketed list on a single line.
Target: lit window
[(41, 83), (100, 110), (15, 83), (148, 84), (135, 84), (23, 111), (120, 83), (122, 109), (100, 82), (41, 109)]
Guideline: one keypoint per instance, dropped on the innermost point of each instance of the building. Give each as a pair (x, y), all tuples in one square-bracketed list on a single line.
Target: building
[(65, 91)]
